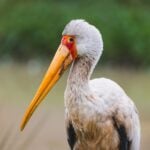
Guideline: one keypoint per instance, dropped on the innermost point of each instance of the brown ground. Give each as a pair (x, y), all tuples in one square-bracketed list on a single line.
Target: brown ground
[(46, 130)]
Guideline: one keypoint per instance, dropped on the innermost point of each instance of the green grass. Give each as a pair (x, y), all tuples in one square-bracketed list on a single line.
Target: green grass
[(46, 128)]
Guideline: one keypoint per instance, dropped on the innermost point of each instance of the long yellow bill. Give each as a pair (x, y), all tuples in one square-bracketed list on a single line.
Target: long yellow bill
[(60, 62)]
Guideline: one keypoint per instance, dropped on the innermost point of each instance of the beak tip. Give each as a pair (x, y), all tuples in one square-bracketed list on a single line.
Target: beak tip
[(22, 126)]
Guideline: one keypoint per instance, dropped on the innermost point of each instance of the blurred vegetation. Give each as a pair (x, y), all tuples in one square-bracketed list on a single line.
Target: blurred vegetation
[(32, 28)]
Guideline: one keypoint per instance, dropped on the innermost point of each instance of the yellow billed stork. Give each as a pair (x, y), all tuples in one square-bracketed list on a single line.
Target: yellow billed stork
[(99, 114)]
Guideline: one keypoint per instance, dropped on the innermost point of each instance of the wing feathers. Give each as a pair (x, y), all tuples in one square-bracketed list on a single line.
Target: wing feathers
[(71, 135), (125, 143)]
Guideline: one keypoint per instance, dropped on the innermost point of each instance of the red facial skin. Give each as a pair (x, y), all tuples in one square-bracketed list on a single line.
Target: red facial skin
[(69, 42)]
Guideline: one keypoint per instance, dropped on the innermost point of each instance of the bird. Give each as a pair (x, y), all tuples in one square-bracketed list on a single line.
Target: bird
[(99, 115)]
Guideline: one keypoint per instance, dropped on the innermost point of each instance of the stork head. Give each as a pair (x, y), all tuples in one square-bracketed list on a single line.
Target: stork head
[(87, 38), (79, 38)]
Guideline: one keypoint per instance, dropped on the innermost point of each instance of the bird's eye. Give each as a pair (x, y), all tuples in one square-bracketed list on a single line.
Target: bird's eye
[(71, 39)]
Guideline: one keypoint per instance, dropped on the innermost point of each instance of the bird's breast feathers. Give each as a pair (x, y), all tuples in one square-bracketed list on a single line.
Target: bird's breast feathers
[(93, 114)]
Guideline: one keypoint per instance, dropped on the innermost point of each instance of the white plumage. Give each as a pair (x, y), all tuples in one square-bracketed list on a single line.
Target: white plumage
[(92, 106), (99, 114)]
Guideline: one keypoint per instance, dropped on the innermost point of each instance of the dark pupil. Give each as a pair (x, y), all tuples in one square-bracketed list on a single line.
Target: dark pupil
[(71, 39)]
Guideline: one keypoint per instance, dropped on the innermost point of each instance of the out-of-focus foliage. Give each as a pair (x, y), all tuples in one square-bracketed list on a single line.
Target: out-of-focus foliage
[(32, 28)]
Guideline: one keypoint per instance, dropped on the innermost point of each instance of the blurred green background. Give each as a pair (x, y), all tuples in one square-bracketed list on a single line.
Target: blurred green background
[(32, 28), (30, 32)]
